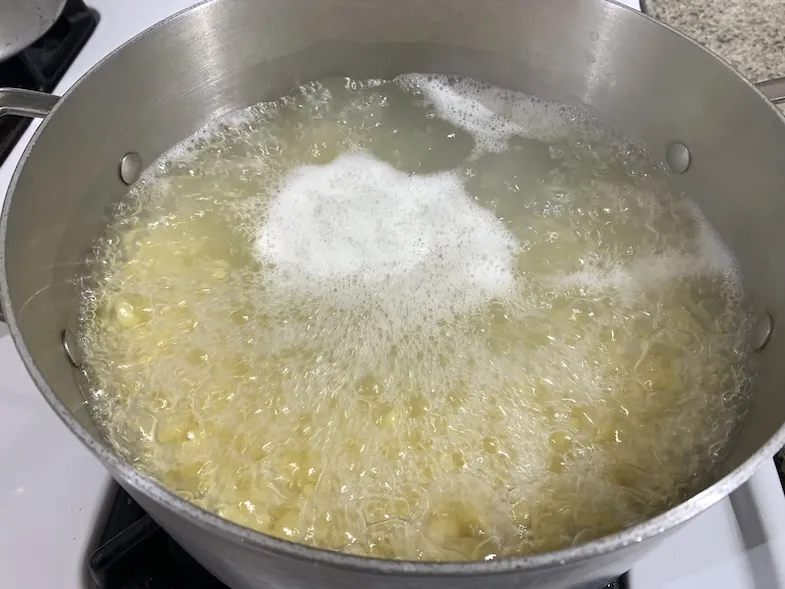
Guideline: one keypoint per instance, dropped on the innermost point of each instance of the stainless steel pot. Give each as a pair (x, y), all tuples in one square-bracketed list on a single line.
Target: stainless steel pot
[(24, 21), (722, 136)]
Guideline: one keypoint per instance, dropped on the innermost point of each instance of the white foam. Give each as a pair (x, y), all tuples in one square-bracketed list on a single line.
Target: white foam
[(490, 115), (636, 276), (716, 256), (709, 256), (209, 133), (358, 229)]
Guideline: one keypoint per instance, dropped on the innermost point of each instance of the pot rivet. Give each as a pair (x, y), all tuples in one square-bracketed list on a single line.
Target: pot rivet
[(677, 156), (71, 349), (761, 332), (130, 167)]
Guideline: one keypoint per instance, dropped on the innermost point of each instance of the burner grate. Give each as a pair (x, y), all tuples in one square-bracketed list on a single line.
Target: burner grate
[(44, 63)]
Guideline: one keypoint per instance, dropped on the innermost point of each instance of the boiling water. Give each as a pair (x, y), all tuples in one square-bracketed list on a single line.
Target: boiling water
[(421, 319)]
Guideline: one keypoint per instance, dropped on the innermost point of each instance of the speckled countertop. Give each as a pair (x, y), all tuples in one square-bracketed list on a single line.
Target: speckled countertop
[(750, 34)]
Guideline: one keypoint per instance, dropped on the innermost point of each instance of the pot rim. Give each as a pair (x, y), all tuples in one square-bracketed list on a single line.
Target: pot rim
[(145, 484)]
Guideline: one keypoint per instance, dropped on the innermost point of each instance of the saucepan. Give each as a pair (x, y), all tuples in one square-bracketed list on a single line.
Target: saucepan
[(722, 138), (24, 21)]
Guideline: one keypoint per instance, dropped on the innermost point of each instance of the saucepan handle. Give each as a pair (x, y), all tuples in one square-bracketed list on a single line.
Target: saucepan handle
[(774, 90), (25, 103)]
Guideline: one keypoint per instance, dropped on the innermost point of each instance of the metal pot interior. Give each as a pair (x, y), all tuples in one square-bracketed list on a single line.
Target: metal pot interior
[(647, 81)]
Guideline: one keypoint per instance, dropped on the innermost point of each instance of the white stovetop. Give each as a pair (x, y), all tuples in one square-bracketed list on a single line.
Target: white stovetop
[(52, 489)]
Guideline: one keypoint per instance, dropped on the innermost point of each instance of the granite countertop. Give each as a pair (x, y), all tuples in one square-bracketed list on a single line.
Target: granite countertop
[(749, 34)]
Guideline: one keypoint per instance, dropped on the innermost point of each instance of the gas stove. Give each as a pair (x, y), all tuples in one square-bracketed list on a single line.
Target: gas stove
[(65, 525), (43, 63)]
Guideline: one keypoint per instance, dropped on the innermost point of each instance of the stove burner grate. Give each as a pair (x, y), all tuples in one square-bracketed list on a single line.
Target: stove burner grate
[(44, 63)]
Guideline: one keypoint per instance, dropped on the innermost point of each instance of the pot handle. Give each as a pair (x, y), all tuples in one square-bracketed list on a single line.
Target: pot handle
[(773, 89), (25, 103)]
